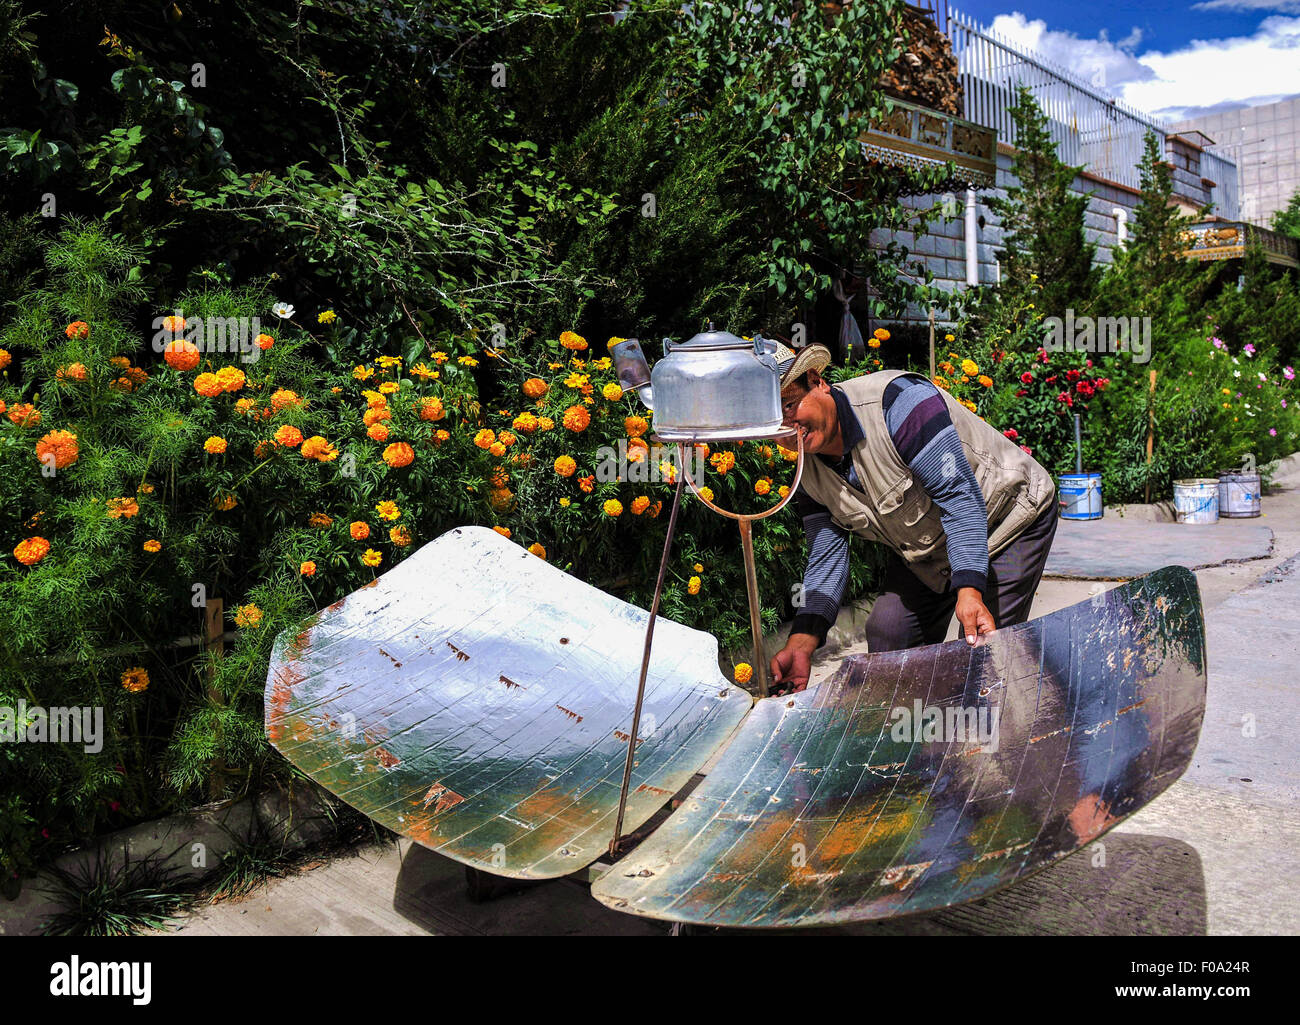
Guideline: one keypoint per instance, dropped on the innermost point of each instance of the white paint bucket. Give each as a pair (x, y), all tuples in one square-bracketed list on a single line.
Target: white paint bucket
[(1196, 500), (1239, 495)]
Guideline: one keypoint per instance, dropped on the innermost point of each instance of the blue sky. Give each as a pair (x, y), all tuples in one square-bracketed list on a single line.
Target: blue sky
[(1175, 58)]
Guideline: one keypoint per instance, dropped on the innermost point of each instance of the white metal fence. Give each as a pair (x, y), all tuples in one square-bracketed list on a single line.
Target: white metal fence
[(1222, 170)]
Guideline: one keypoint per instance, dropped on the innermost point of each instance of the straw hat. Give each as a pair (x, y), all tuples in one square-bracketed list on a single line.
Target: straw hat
[(793, 365)]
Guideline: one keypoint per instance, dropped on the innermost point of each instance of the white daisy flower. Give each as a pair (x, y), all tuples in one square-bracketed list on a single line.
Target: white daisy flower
[(283, 310)]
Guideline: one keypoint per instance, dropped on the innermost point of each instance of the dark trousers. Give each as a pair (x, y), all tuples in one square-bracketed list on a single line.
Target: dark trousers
[(908, 613)]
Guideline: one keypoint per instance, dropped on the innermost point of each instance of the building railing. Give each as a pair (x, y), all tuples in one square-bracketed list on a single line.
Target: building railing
[(1224, 192), (916, 137), (1228, 240)]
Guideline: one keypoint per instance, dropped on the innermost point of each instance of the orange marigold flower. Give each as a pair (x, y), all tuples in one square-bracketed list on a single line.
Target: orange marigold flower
[(359, 530), (744, 672), (208, 385), (307, 569), (319, 449), (500, 477), (440, 436), (319, 520), (506, 438), (181, 355), (572, 342), (59, 446), (500, 498), (224, 502), (538, 550), (587, 483), (24, 414), (525, 423), (762, 486), (121, 362), (635, 426), (288, 435), (249, 616), (485, 438), (5, 358), (362, 373), (283, 398), (136, 375), (77, 329), (244, 406), (135, 679), (637, 450), (375, 414), (576, 419), (400, 536), (399, 454), (265, 341), (535, 388), (231, 378), (152, 545), (545, 423), (122, 508), (378, 431), (214, 445), (145, 489), (639, 505), (723, 461), (503, 531), (782, 491), (565, 466), (371, 558), (693, 585), (986, 381), (72, 372), (497, 449), (174, 325), (431, 408), (375, 400), (388, 510), (31, 550), (263, 449), (654, 510), (613, 507)]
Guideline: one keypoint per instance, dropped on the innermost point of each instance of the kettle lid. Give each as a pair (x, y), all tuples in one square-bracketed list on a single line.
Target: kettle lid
[(714, 340)]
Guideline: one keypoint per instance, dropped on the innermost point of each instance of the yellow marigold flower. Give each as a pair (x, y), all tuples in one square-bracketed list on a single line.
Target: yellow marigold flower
[(575, 380), (135, 680), (497, 449), (693, 585), (440, 358), (389, 387), (288, 436), (969, 367), (503, 531), (231, 378), (378, 431), (572, 342), (420, 370), (431, 408), (985, 380), (565, 503), (782, 491), (762, 486), (612, 392), (214, 445), (545, 423), (706, 492), (613, 507), (723, 461), (440, 436), (374, 399), (31, 550), (881, 334), (576, 419), (744, 673), (485, 438), (371, 558), (968, 404), (873, 343), (145, 489), (224, 502), (319, 520), (639, 505), (359, 530), (243, 406), (319, 449), (525, 423), (467, 361), (538, 550), (208, 385), (400, 536), (249, 616), (362, 373), (940, 382), (388, 362), (307, 569), (59, 447), (326, 317), (565, 466), (152, 545), (949, 338), (399, 454), (388, 510), (790, 455), (668, 471)]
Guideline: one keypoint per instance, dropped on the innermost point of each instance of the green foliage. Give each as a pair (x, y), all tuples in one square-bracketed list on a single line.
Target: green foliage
[(1287, 220), (106, 897)]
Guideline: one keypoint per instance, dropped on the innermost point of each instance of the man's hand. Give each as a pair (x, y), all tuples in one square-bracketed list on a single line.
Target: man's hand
[(973, 615), (792, 665)]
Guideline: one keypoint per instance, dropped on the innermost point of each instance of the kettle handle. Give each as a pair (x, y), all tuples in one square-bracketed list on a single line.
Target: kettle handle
[(668, 346), (768, 359)]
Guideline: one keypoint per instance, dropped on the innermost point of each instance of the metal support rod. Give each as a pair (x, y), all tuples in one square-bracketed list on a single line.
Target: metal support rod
[(755, 620), (1078, 446), (645, 665)]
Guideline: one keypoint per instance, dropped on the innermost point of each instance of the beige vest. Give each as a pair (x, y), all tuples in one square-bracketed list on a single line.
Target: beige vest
[(895, 509)]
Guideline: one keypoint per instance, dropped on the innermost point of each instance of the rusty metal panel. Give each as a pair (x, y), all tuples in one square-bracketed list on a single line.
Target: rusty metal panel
[(828, 808), (477, 700)]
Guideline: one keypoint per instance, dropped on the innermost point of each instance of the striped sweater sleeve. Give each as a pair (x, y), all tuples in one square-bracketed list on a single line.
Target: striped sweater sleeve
[(827, 575), (923, 433)]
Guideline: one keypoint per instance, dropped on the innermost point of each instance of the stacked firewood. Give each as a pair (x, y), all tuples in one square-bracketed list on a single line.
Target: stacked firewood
[(926, 73)]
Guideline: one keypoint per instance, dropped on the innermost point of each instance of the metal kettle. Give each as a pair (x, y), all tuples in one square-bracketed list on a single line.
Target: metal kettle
[(712, 387)]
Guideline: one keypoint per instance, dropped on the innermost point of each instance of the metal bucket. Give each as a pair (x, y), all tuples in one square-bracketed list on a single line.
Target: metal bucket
[(1239, 495), (1081, 493), (1196, 500)]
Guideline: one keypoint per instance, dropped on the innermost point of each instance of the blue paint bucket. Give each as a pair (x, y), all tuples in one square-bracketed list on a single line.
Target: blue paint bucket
[(1238, 495), (1196, 500), (1081, 493)]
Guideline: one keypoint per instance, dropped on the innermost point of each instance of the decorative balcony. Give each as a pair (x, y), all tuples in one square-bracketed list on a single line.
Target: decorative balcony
[(1228, 240), (914, 137)]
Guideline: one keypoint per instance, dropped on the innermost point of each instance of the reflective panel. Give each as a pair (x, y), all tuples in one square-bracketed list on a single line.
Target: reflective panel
[(477, 700), (917, 779)]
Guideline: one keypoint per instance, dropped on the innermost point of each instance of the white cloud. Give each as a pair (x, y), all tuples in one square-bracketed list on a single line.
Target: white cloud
[(1277, 6), (1236, 71)]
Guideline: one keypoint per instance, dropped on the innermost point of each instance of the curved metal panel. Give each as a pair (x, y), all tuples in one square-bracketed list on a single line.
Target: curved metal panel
[(913, 780), (477, 700)]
